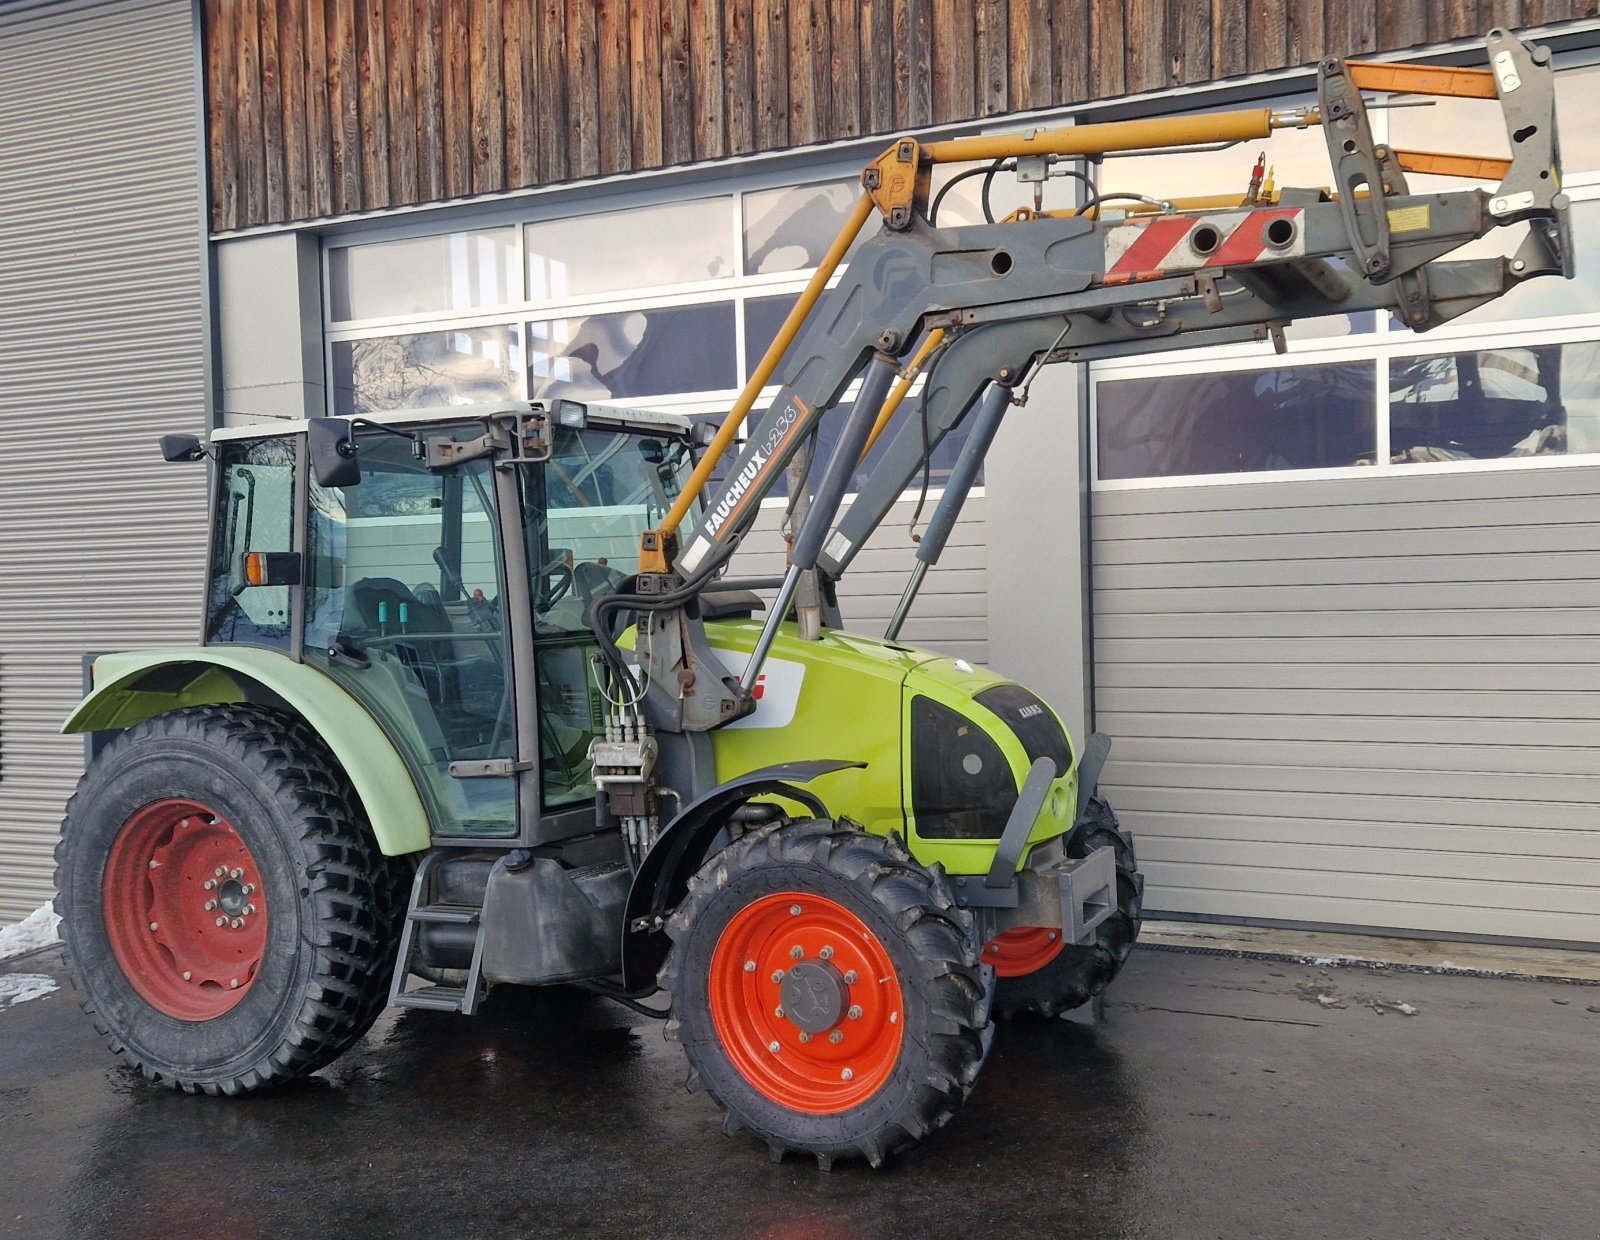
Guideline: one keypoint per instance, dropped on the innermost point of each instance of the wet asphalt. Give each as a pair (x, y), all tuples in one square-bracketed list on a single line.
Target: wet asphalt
[(1214, 1097)]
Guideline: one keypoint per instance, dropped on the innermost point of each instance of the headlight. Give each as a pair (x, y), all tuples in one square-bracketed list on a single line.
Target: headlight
[(961, 784), (1034, 723)]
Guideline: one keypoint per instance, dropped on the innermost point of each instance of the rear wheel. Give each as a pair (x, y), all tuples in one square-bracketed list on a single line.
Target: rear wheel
[(827, 992), (1036, 971), (229, 920)]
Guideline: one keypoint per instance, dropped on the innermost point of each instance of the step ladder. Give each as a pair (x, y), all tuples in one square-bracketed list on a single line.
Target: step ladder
[(422, 911)]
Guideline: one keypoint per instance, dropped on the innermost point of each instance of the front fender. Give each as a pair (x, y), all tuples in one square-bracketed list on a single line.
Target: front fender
[(130, 688), (681, 848)]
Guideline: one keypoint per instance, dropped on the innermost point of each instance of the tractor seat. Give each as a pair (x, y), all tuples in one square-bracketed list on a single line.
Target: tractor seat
[(362, 606)]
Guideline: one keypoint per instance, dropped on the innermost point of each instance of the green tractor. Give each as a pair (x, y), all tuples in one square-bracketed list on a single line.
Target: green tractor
[(376, 772), (468, 711)]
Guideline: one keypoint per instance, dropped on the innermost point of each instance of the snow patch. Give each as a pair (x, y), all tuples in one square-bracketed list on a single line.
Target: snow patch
[(18, 988), (38, 929)]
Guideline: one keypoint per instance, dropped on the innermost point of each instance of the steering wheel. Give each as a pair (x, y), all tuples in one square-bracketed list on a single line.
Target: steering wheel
[(549, 592)]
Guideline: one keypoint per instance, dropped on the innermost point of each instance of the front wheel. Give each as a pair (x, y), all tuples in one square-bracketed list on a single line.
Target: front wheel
[(827, 992), (1038, 973), (229, 921)]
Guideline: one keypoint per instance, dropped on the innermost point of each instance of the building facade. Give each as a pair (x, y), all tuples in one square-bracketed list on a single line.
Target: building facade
[(1342, 646)]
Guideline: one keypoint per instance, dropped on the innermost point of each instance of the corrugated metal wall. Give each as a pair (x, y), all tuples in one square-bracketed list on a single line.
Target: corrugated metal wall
[(102, 339), (1365, 702), (951, 614)]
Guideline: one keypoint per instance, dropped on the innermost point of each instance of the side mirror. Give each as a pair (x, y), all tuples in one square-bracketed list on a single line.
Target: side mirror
[(702, 433), (181, 448), (331, 444)]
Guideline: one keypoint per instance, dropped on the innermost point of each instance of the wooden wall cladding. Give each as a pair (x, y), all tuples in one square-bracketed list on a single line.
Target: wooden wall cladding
[(325, 107)]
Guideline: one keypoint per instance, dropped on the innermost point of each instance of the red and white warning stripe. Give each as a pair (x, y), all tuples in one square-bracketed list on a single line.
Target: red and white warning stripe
[(1189, 242)]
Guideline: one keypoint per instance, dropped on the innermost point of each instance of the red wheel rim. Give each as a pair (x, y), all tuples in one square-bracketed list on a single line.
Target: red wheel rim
[(185, 911), (1027, 949), (841, 1040)]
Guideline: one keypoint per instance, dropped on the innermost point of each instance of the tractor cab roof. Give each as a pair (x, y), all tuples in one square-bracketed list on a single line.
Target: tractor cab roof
[(610, 415)]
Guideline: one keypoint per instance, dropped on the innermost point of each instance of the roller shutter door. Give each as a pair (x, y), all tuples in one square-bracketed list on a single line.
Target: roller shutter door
[(1363, 702), (102, 339)]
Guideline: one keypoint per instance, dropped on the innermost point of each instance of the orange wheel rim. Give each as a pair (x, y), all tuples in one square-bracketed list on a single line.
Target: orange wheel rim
[(806, 1003), (1027, 949), (185, 912)]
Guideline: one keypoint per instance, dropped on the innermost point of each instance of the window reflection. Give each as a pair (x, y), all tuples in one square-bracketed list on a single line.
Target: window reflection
[(427, 368), (1511, 402), (419, 275), (657, 352), (1300, 417), (791, 228), (674, 243)]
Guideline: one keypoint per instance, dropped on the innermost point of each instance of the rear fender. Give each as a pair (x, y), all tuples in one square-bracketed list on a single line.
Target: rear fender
[(130, 688), (682, 848)]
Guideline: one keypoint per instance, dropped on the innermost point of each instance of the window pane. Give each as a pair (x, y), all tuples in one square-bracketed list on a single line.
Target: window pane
[(675, 243), (254, 511), (430, 368), (636, 353), (763, 316), (454, 271), (1297, 158), (790, 229), (1301, 417), (1507, 402), (1580, 137)]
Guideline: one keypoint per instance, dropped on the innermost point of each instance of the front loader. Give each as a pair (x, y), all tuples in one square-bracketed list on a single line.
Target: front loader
[(478, 702)]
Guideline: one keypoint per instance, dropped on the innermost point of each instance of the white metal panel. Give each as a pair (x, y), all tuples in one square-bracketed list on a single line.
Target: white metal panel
[(102, 348), (1367, 702)]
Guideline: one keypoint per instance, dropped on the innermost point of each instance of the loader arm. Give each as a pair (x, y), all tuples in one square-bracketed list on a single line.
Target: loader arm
[(988, 304)]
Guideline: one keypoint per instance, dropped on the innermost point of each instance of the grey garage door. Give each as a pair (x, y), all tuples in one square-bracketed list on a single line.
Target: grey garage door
[(1359, 702), (101, 349)]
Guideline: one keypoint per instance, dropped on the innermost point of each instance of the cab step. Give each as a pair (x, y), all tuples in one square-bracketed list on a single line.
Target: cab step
[(423, 910)]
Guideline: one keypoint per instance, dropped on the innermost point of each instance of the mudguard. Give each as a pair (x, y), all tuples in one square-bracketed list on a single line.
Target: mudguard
[(130, 688), (681, 849)]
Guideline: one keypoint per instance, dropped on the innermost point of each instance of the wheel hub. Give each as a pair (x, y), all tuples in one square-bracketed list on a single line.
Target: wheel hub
[(184, 912), (806, 1002), (815, 996)]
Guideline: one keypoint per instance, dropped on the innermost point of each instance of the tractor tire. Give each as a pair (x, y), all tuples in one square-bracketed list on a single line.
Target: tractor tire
[(827, 991), (1035, 973), (229, 920)]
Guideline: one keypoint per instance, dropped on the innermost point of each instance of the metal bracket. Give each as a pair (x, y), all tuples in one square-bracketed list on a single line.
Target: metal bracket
[(486, 768), (1035, 789)]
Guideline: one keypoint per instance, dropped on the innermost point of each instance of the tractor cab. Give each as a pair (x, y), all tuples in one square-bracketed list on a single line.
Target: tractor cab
[(443, 575)]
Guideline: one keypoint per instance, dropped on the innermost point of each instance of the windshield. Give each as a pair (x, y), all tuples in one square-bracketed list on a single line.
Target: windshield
[(585, 509)]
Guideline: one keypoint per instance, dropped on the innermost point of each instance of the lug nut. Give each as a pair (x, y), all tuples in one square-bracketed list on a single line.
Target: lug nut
[(222, 921), (249, 889), (826, 953), (894, 1018), (855, 1011), (1052, 936), (233, 983), (236, 922), (804, 1036), (187, 975), (836, 1037), (773, 1046), (851, 978), (209, 884), (210, 904), (154, 926), (794, 910), (235, 873), (847, 1075), (221, 872), (749, 966), (778, 1012), (778, 976), (796, 952), (249, 909)]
